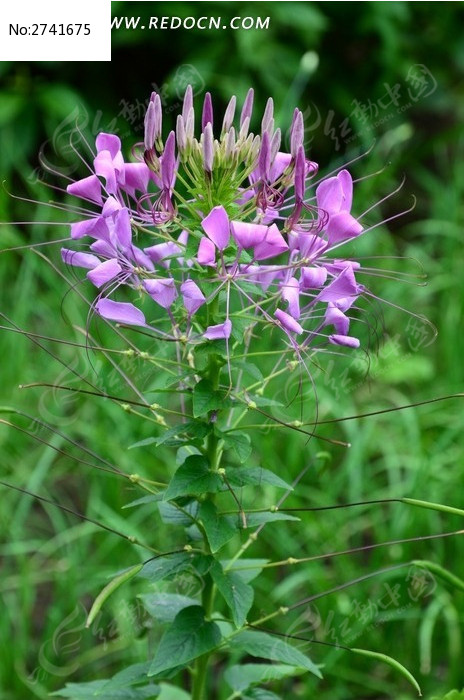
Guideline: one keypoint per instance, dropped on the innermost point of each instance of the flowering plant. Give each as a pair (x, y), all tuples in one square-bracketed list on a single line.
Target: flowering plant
[(218, 250)]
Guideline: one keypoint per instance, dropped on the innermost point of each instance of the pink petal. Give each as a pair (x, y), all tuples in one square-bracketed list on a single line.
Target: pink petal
[(275, 244), (105, 272), (159, 252), (291, 294), (122, 229), (206, 252), (342, 286), (120, 312), (248, 235), (73, 257), (219, 332), (192, 295), (345, 340), (329, 195), (87, 188), (281, 162), (313, 277), (216, 226), (310, 245), (96, 228), (137, 176), (346, 182), (104, 166), (288, 322), (335, 317), (162, 291), (108, 142), (111, 206), (342, 226), (103, 248)]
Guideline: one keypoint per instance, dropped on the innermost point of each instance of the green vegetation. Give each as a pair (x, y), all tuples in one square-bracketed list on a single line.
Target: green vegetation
[(323, 57)]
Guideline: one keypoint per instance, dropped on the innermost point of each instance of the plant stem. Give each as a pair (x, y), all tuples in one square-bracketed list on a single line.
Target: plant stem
[(214, 453), (201, 665)]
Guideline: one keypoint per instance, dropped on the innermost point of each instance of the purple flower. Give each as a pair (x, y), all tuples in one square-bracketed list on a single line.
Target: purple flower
[(334, 197), (192, 296), (163, 291), (265, 233), (77, 259), (291, 294), (288, 322), (206, 252), (120, 312), (104, 272), (216, 226), (344, 340), (220, 332)]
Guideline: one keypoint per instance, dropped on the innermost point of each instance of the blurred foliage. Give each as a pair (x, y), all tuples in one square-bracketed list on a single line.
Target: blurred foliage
[(327, 58)]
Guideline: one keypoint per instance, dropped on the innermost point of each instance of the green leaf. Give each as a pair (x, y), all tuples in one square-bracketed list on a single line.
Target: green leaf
[(267, 646), (244, 476), (240, 443), (256, 519), (452, 695), (172, 515), (237, 594), (171, 692), (143, 443), (218, 528), (166, 566), (192, 432), (89, 691), (128, 676), (112, 586), (260, 694), (241, 677), (206, 399), (251, 568), (390, 662), (193, 477), (249, 368), (165, 606), (143, 500), (189, 636)]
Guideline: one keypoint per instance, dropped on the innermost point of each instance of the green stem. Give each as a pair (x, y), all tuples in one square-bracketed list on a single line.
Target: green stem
[(213, 451), (201, 664)]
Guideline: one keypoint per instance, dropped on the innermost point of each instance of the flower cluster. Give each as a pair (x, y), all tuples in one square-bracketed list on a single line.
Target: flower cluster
[(218, 231)]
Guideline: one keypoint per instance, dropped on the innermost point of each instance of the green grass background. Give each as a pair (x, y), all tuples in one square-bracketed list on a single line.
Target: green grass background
[(320, 56)]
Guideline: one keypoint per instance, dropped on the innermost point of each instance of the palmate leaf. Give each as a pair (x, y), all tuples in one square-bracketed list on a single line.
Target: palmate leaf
[(206, 399), (260, 694), (164, 567), (256, 476), (242, 676), (239, 443), (219, 528), (171, 692), (172, 515), (267, 646), (237, 594), (132, 675), (165, 606), (193, 477), (189, 636)]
